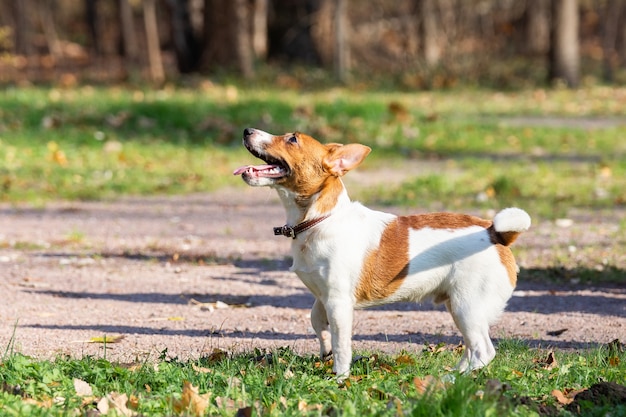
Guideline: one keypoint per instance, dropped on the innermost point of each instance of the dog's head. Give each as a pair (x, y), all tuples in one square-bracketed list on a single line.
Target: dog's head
[(297, 162)]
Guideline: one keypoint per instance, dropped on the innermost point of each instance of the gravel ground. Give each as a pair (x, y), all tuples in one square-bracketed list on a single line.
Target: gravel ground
[(193, 273)]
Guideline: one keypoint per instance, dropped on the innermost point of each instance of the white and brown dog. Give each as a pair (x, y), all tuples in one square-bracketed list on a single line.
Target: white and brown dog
[(352, 257)]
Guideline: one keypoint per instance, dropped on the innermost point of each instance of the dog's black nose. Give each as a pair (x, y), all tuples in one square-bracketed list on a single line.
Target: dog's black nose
[(248, 131)]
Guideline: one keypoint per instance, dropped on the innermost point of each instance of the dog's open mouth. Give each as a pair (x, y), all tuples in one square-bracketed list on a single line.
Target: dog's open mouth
[(273, 168), (267, 171)]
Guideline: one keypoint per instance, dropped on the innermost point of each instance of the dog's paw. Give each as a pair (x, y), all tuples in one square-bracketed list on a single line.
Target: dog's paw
[(342, 378)]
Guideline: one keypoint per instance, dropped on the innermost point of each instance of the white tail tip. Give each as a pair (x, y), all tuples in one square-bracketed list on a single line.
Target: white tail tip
[(511, 219)]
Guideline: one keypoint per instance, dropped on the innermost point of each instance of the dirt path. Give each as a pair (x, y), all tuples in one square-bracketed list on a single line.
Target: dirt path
[(190, 274)]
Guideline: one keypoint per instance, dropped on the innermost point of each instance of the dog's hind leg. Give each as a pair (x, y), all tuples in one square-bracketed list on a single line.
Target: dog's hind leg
[(479, 350), (319, 321)]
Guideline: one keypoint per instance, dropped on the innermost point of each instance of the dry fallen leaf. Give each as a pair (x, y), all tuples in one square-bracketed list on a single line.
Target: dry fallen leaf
[(82, 388), (436, 348), (191, 401), (405, 360), (605, 172), (217, 355), (59, 157), (117, 402), (548, 362), (427, 384), (353, 378), (133, 402), (302, 405), (233, 381), (567, 395), (201, 369), (273, 408), (615, 347), (45, 403), (387, 368), (398, 112), (133, 367)]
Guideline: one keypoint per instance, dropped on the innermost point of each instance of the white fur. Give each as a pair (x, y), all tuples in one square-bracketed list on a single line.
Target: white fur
[(460, 262), (511, 219)]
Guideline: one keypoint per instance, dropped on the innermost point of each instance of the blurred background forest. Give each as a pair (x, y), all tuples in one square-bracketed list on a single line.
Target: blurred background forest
[(411, 44)]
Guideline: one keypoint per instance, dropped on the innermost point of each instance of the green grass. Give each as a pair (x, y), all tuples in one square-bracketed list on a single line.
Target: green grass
[(93, 143), (518, 383), (548, 189)]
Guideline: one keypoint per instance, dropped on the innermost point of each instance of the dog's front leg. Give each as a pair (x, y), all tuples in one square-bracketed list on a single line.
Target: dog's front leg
[(340, 313), (319, 321)]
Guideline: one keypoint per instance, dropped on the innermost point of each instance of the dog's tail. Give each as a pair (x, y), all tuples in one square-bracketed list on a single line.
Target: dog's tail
[(508, 225)]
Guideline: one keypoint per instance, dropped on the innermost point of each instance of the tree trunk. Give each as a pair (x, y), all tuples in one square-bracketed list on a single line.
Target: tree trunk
[(609, 38), (537, 27), (228, 45), (621, 52), (93, 24), (243, 38), (152, 38), (186, 46), (49, 30), (22, 10), (129, 37), (322, 32), (342, 48), (259, 29), (564, 45), (431, 53)]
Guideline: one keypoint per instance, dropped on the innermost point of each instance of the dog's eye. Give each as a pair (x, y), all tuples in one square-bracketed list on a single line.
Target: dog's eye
[(293, 139)]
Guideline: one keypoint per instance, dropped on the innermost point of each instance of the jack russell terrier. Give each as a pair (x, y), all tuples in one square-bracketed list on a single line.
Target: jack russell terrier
[(352, 257)]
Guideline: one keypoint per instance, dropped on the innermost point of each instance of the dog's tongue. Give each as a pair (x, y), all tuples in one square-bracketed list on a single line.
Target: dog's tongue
[(252, 168)]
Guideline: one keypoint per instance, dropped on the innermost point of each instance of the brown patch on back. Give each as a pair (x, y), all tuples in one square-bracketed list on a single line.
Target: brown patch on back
[(387, 266), (445, 221)]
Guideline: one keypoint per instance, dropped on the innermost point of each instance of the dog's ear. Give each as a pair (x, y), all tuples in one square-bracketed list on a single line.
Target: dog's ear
[(342, 158)]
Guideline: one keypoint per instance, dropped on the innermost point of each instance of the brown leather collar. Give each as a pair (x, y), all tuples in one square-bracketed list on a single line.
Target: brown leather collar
[(293, 231)]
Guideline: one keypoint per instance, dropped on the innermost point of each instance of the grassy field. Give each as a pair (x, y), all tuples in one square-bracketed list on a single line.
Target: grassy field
[(550, 151), (520, 382)]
